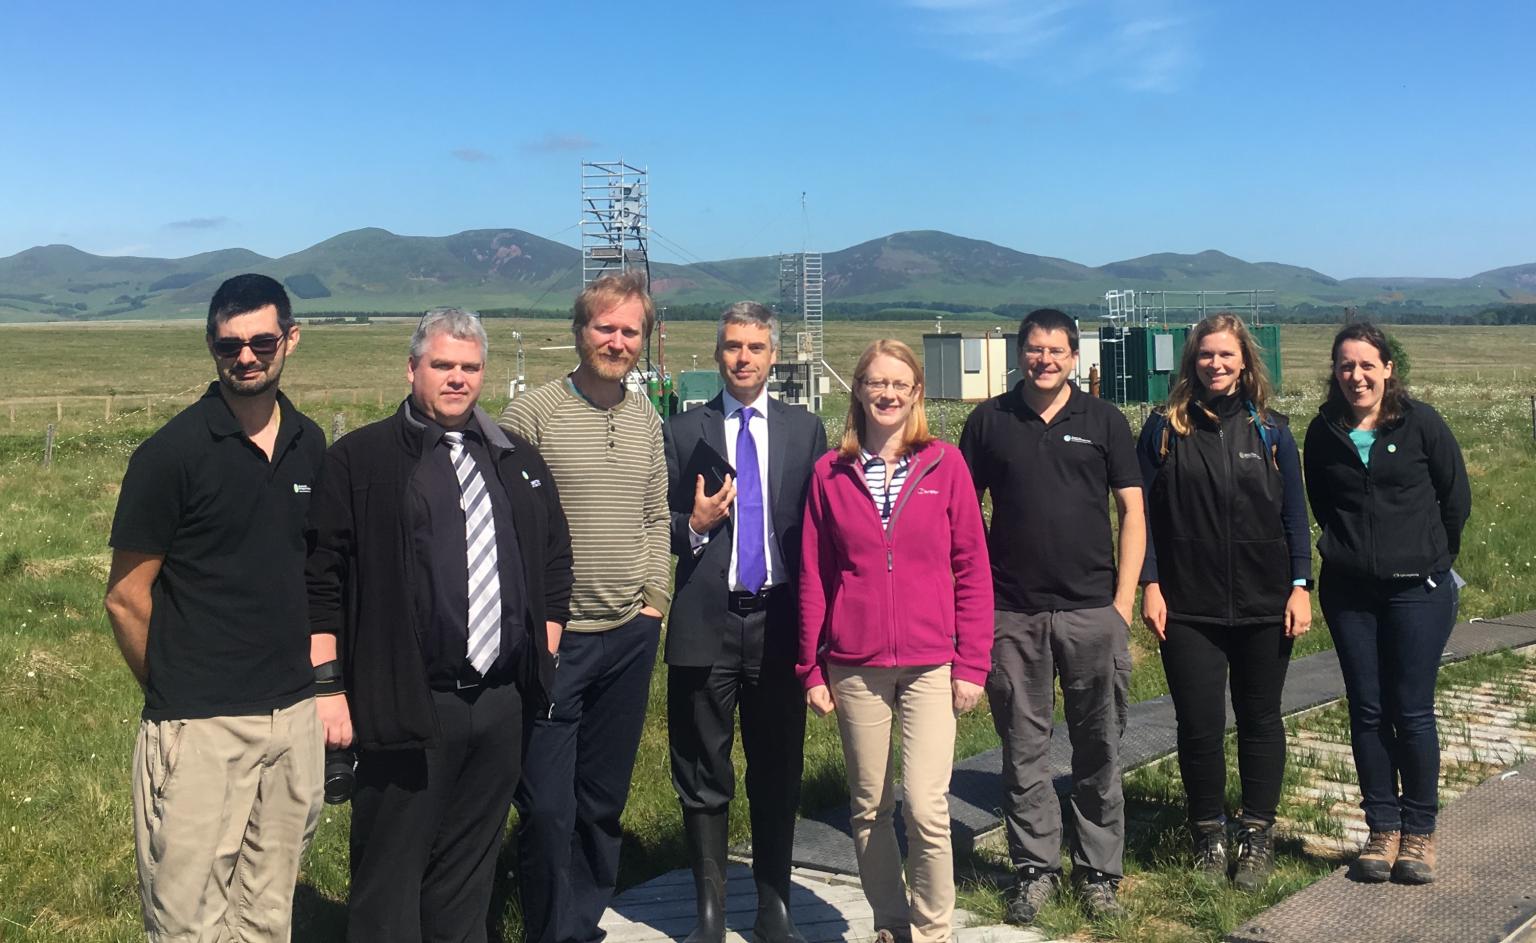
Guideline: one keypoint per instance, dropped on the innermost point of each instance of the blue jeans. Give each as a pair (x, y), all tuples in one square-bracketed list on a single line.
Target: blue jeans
[(1390, 636)]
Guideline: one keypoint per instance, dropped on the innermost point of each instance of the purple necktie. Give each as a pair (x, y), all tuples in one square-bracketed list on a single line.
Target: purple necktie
[(751, 566)]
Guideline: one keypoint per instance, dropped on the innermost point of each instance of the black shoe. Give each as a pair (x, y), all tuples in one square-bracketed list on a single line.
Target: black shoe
[(707, 834), (1026, 897), (1099, 894), (1255, 854), (1210, 849)]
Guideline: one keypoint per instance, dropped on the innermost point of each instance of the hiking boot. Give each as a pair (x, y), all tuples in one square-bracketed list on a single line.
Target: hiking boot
[(1377, 857), (1029, 894), (1255, 855), (1097, 891), (1415, 859), (1210, 849)]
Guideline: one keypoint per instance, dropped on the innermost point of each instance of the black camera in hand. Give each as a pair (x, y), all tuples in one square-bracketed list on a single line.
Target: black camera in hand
[(340, 775)]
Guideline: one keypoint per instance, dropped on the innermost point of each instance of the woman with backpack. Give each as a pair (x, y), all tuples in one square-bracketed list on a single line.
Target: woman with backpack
[(1389, 489), (1226, 582)]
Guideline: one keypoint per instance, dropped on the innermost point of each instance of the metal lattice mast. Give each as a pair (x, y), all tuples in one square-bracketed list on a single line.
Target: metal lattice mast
[(615, 227), (810, 306), (789, 288)]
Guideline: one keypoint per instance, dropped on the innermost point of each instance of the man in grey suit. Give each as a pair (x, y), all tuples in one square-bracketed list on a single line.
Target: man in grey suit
[(733, 628)]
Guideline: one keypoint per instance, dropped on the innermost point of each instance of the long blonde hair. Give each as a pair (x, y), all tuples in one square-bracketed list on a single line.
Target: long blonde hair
[(1187, 389), (916, 433)]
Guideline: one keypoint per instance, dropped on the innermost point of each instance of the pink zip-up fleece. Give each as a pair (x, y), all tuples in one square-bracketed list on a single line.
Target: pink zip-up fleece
[(917, 593)]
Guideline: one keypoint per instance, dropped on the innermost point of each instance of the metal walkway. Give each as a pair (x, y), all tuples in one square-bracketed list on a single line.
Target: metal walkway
[(822, 843), (1485, 890)]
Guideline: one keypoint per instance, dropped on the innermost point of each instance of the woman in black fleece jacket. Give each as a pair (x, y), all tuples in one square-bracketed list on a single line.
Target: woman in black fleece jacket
[(1389, 490), (1226, 581)]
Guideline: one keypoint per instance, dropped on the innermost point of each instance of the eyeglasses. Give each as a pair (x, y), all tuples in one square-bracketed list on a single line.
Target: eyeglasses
[(900, 387), (262, 345), (1055, 353)]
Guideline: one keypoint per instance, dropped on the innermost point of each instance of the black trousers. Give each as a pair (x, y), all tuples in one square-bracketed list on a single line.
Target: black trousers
[(427, 824), (576, 781), (753, 673), (1198, 659)]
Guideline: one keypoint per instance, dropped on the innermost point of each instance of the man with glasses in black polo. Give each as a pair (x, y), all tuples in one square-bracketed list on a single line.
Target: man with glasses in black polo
[(206, 598), (1053, 457), (439, 584)]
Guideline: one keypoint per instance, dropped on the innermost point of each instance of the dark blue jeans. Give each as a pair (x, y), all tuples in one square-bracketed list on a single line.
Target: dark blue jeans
[(576, 771), (1389, 636)]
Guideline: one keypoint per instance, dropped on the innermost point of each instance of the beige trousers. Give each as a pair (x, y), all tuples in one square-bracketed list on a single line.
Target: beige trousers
[(920, 701), (223, 809)]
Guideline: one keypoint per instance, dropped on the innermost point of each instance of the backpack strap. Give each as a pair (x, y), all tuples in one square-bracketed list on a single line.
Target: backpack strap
[(1266, 435)]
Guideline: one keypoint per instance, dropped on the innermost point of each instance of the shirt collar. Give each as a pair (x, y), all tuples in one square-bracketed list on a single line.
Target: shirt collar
[(867, 458), (222, 422), (732, 405)]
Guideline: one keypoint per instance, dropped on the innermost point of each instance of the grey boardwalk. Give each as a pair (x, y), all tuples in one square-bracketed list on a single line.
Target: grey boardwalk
[(823, 843), (1484, 893), (825, 910)]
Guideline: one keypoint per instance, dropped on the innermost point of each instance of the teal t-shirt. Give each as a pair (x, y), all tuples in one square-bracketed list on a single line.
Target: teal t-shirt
[(1363, 438)]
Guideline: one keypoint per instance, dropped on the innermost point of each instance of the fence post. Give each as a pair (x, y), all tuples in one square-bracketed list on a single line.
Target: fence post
[(58, 410), (1533, 417), (108, 417), (338, 426), (48, 445), (13, 414), (149, 407)]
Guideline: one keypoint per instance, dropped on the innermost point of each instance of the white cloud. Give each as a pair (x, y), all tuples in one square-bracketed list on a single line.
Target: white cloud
[(1144, 45)]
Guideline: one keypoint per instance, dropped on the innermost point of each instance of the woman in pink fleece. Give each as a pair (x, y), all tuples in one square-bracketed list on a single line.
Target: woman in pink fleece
[(896, 623)]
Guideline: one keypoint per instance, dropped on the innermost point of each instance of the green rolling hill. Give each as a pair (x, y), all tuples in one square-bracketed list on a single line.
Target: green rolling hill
[(373, 270)]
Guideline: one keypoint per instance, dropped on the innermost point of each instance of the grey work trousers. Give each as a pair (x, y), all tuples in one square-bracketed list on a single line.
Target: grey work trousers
[(1088, 649)]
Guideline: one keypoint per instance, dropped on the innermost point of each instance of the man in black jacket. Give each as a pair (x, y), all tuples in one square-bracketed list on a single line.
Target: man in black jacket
[(439, 583), (733, 628)]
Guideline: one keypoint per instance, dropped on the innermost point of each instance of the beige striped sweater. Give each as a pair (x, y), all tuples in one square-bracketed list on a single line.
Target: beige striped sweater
[(612, 476)]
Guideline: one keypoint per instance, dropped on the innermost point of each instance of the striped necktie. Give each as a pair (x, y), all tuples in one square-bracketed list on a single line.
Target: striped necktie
[(484, 622)]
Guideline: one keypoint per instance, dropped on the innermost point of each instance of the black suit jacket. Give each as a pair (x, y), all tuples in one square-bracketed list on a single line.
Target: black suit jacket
[(796, 439)]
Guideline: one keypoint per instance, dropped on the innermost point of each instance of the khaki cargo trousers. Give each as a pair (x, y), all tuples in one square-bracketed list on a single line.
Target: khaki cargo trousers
[(223, 809)]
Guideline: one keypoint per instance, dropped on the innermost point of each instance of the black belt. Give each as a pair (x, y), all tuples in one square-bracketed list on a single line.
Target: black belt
[(742, 603)]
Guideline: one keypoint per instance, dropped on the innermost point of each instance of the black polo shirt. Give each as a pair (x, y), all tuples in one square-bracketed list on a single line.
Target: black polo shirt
[(436, 520), (1050, 539), (229, 627)]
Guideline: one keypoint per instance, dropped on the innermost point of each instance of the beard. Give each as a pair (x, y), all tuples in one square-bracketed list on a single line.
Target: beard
[(612, 369), (253, 386)]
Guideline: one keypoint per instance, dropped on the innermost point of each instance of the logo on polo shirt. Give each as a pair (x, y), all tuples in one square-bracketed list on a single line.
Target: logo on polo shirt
[(922, 490), (1253, 455), (532, 482), (1075, 439), (300, 489)]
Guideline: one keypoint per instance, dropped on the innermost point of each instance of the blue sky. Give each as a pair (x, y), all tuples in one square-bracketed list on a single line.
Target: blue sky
[(1364, 138)]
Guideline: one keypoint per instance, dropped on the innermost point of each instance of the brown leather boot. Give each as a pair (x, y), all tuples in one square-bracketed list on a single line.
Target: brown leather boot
[(1415, 859), (1376, 859)]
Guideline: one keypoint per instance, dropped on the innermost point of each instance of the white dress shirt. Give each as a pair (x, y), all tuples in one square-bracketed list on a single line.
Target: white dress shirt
[(732, 407)]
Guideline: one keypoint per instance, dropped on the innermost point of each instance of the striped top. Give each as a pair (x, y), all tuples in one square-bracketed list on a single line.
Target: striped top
[(874, 476), (612, 475)]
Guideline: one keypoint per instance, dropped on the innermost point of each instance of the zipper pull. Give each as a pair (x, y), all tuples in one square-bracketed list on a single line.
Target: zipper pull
[(890, 564)]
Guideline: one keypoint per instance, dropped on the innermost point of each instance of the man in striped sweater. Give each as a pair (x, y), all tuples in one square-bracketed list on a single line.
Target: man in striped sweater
[(604, 446)]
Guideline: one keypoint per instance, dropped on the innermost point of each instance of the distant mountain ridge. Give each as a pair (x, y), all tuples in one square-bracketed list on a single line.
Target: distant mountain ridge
[(379, 271)]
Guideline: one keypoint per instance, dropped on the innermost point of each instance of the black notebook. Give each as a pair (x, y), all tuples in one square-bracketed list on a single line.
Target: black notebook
[(708, 462)]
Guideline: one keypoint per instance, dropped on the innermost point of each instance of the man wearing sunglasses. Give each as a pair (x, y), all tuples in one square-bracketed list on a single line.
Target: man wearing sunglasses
[(207, 601), (440, 582)]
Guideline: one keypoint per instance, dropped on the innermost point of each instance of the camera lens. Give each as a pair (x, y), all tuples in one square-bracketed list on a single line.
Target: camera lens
[(340, 775)]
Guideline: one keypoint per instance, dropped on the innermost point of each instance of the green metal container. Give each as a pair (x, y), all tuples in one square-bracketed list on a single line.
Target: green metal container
[(1141, 364)]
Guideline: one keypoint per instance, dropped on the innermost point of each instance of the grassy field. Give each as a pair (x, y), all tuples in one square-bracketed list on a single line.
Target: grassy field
[(66, 863)]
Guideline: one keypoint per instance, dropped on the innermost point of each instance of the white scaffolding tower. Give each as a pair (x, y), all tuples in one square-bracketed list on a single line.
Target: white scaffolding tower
[(615, 227)]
